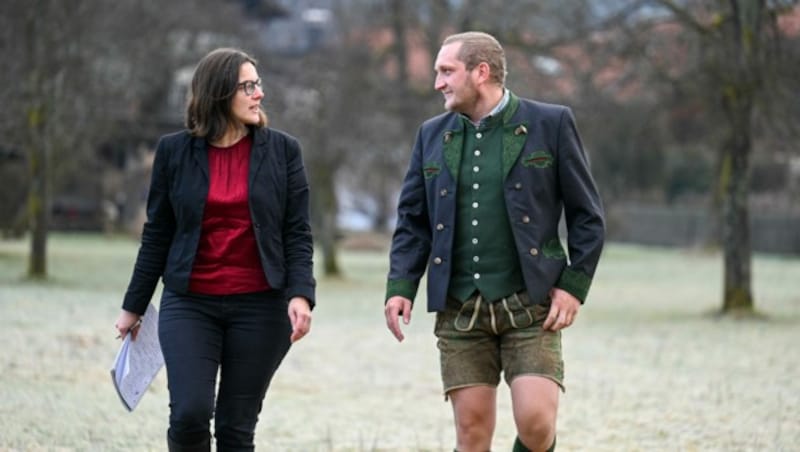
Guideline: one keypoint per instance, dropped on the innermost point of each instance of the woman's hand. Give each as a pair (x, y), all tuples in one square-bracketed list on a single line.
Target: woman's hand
[(127, 322), (300, 316)]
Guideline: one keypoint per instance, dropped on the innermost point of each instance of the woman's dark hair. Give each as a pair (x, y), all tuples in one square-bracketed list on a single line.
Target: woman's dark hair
[(215, 82)]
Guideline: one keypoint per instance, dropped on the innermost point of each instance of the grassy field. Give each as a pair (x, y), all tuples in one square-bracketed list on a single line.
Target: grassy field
[(648, 367)]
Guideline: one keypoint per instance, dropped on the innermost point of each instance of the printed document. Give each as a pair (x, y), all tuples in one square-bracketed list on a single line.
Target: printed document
[(138, 362)]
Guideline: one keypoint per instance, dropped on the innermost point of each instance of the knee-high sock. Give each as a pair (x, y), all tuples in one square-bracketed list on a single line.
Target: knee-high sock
[(519, 447)]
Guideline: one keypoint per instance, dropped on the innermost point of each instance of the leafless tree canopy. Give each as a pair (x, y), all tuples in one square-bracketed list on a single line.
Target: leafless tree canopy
[(671, 96)]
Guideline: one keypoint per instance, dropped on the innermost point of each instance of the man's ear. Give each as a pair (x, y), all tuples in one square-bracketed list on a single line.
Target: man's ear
[(484, 72)]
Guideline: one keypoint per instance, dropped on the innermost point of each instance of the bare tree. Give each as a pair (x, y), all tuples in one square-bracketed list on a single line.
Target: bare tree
[(311, 108), (81, 69), (731, 55), (737, 47), (728, 53), (50, 71), (348, 103)]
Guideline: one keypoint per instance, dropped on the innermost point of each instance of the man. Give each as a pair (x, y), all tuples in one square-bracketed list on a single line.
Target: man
[(479, 209)]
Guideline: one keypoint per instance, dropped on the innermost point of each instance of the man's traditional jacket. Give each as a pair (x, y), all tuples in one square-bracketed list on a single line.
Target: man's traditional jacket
[(546, 172)]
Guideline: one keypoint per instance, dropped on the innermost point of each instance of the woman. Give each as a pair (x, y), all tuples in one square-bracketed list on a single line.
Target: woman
[(228, 231)]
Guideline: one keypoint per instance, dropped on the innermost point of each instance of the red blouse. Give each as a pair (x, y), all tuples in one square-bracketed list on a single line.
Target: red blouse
[(227, 260)]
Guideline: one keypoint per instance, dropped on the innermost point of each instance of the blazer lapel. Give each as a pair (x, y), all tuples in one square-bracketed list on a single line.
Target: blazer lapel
[(257, 154), (514, 135), (200, 154), (453, 141)]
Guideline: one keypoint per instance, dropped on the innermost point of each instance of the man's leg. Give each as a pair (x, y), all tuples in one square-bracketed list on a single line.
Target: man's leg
[(535, 404), (470, 361), (474, 409)]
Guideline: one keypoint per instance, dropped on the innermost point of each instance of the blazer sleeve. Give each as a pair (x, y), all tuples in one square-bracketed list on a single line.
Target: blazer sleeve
[(411, 242), (298, 243), (583, 210), (157, 236)]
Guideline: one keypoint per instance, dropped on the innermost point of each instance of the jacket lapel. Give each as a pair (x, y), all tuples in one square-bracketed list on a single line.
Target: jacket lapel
[(200, 154), (257, 154), (514, 135), (453, 140)]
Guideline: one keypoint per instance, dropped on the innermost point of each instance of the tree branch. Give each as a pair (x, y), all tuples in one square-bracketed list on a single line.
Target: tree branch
[(684, 16)]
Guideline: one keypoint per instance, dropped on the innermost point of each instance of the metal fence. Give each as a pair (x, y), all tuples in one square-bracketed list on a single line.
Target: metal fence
[(771, 231)]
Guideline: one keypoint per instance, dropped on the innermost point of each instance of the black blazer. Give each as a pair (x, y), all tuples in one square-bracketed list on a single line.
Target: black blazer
[(279, 209)]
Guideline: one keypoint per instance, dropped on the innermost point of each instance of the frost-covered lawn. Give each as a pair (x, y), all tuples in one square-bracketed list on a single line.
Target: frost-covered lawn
[(647, 367)]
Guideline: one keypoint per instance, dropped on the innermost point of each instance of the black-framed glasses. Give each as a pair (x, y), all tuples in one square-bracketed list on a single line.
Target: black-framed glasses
[(249, 86)]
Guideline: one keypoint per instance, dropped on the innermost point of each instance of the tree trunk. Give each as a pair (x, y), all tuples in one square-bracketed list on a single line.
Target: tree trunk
[(739, 92), (736, 238), (735, 185), (323, 212), (330, 261), (400, 48), (38, 199)]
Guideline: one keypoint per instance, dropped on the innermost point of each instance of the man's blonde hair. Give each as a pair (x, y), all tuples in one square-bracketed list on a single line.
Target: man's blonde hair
[(478, 47)]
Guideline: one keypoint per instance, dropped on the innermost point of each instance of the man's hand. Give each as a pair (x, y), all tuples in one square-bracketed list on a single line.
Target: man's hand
[(563, 309), (395, 307), (300, 316)]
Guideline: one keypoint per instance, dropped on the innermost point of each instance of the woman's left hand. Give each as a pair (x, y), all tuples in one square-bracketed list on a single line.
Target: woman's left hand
[(300, 316)]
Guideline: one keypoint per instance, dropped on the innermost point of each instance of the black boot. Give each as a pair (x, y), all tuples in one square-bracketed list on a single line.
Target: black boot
[(202, 446)]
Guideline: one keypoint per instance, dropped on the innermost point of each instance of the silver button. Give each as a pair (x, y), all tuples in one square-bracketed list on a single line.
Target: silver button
[(534, 252), (475, 258), (475, 205), (526, 219), (439, 227), (476, 186), (474, 241), (475, 168), (477, 153), (474, 222), (479, 135), (443, 192), (437, 260), (518, 186), (477, 276)]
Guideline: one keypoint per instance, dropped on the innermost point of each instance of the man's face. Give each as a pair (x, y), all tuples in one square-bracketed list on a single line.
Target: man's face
[(454, 80)]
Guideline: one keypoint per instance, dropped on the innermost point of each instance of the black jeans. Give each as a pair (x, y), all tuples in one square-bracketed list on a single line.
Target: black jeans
[(245, 337)]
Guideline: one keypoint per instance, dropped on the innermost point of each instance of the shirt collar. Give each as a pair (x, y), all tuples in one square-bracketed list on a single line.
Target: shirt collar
[(495, 111), (500, 106)]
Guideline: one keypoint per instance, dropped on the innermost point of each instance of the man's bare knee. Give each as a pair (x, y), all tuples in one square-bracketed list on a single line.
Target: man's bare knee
[(474, 430), (535, 402), (474, 415), (537, 431)]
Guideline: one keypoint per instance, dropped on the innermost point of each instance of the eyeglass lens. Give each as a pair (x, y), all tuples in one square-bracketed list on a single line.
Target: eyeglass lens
[(250, 86)]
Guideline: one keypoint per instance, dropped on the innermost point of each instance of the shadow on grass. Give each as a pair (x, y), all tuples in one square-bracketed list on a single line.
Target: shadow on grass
[(747, 315)]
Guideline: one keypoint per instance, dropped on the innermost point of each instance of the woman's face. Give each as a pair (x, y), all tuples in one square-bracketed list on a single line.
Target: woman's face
[(244, 106)]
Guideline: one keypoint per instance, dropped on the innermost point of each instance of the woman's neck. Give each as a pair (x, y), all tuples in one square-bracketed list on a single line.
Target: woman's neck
[(231, 136)]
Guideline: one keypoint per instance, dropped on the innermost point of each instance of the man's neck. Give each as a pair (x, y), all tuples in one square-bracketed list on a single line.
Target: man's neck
[(488, 100)]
